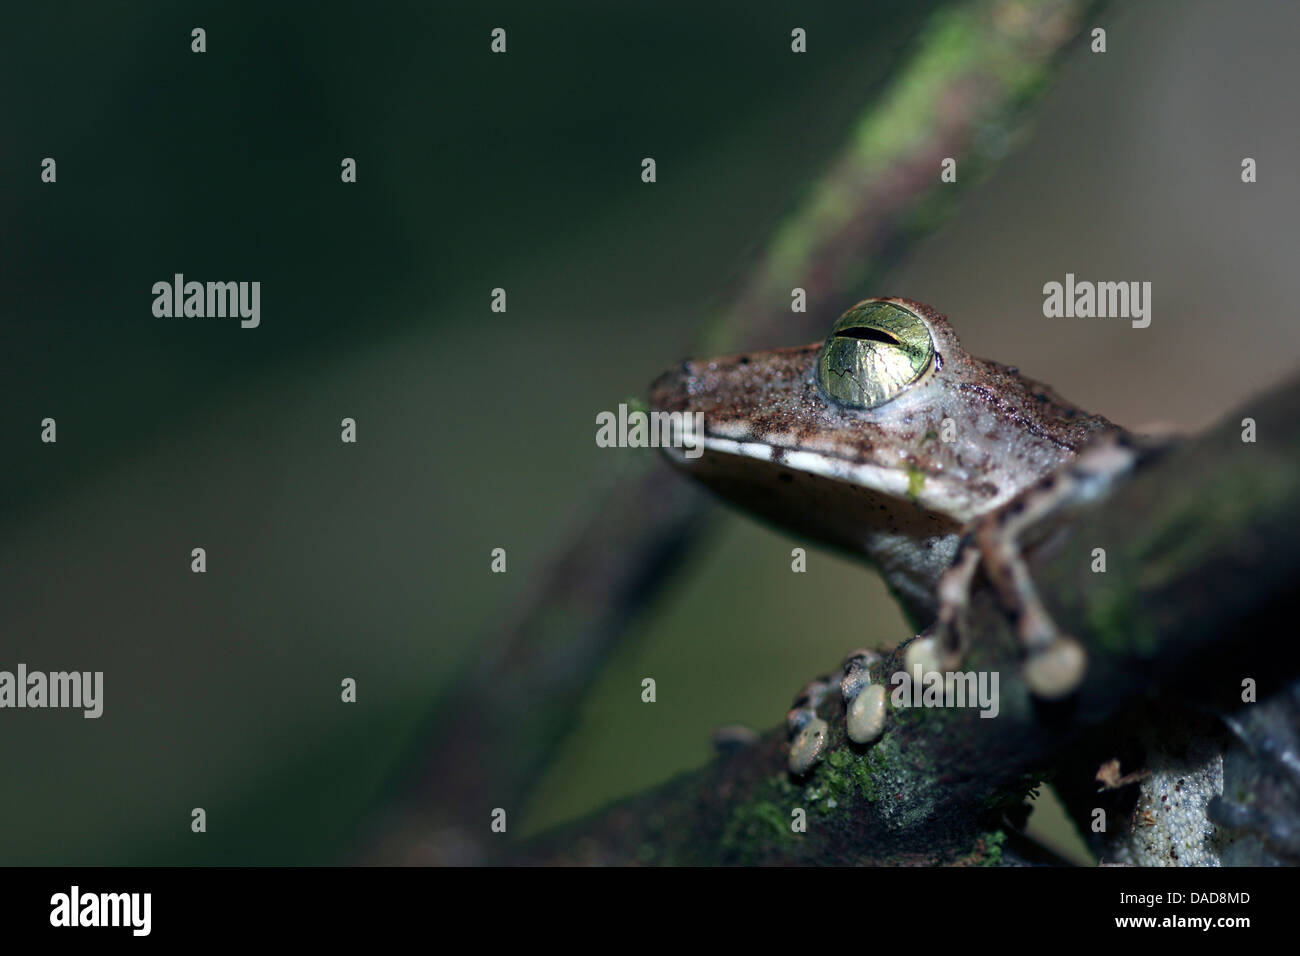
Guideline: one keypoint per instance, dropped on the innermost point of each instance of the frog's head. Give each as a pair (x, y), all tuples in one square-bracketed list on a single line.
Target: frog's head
[(888, 414)]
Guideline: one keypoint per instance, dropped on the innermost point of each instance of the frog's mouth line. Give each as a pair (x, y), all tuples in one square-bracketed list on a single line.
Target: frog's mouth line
[(811, 462), (925, 490)]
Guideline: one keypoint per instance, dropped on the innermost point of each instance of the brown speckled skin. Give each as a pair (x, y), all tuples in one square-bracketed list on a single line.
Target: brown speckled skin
[(1009, 432)]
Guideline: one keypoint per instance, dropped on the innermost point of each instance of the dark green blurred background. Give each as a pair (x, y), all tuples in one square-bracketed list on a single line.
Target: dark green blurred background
[(476, 429)]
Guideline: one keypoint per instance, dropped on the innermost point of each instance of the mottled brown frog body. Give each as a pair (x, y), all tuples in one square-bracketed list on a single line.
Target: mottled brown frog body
[(886, 439)]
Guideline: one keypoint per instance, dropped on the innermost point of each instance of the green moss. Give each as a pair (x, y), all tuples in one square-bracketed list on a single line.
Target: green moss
[(845, 778), (1117, 625), (1185, 533), (990, 844), (930, 720), (762, 824), (753, 828), (915, 482)]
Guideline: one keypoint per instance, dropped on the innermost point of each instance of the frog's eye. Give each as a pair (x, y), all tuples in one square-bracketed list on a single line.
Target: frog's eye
[(875, 351)]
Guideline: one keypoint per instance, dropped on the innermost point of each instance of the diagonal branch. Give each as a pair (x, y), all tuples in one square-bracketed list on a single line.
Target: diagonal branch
[(962, 93)]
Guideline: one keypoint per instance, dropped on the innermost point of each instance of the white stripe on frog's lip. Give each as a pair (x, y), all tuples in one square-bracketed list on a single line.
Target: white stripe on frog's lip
[(937, 493)]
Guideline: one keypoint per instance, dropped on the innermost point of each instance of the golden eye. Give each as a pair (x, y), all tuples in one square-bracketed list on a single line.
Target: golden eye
[(875, 351)]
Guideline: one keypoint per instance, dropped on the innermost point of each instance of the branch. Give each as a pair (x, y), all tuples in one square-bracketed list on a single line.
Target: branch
[(1199, 542), (962, 93)]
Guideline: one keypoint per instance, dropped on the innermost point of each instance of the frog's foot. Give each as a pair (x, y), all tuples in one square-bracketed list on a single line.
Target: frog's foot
[(808, 733), (864, 702), (1055, 662), (864, 707)]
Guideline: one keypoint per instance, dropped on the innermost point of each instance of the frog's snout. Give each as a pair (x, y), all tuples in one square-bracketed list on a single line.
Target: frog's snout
[(671, 391)]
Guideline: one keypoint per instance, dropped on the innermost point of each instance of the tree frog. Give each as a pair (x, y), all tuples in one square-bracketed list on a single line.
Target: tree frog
[(890, 441)]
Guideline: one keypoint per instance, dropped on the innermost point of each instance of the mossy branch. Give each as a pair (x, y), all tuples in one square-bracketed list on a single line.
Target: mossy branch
[(1200, 545)]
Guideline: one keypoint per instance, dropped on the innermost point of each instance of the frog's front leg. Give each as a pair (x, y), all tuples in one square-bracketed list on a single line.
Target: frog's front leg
[(1055, 662)]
